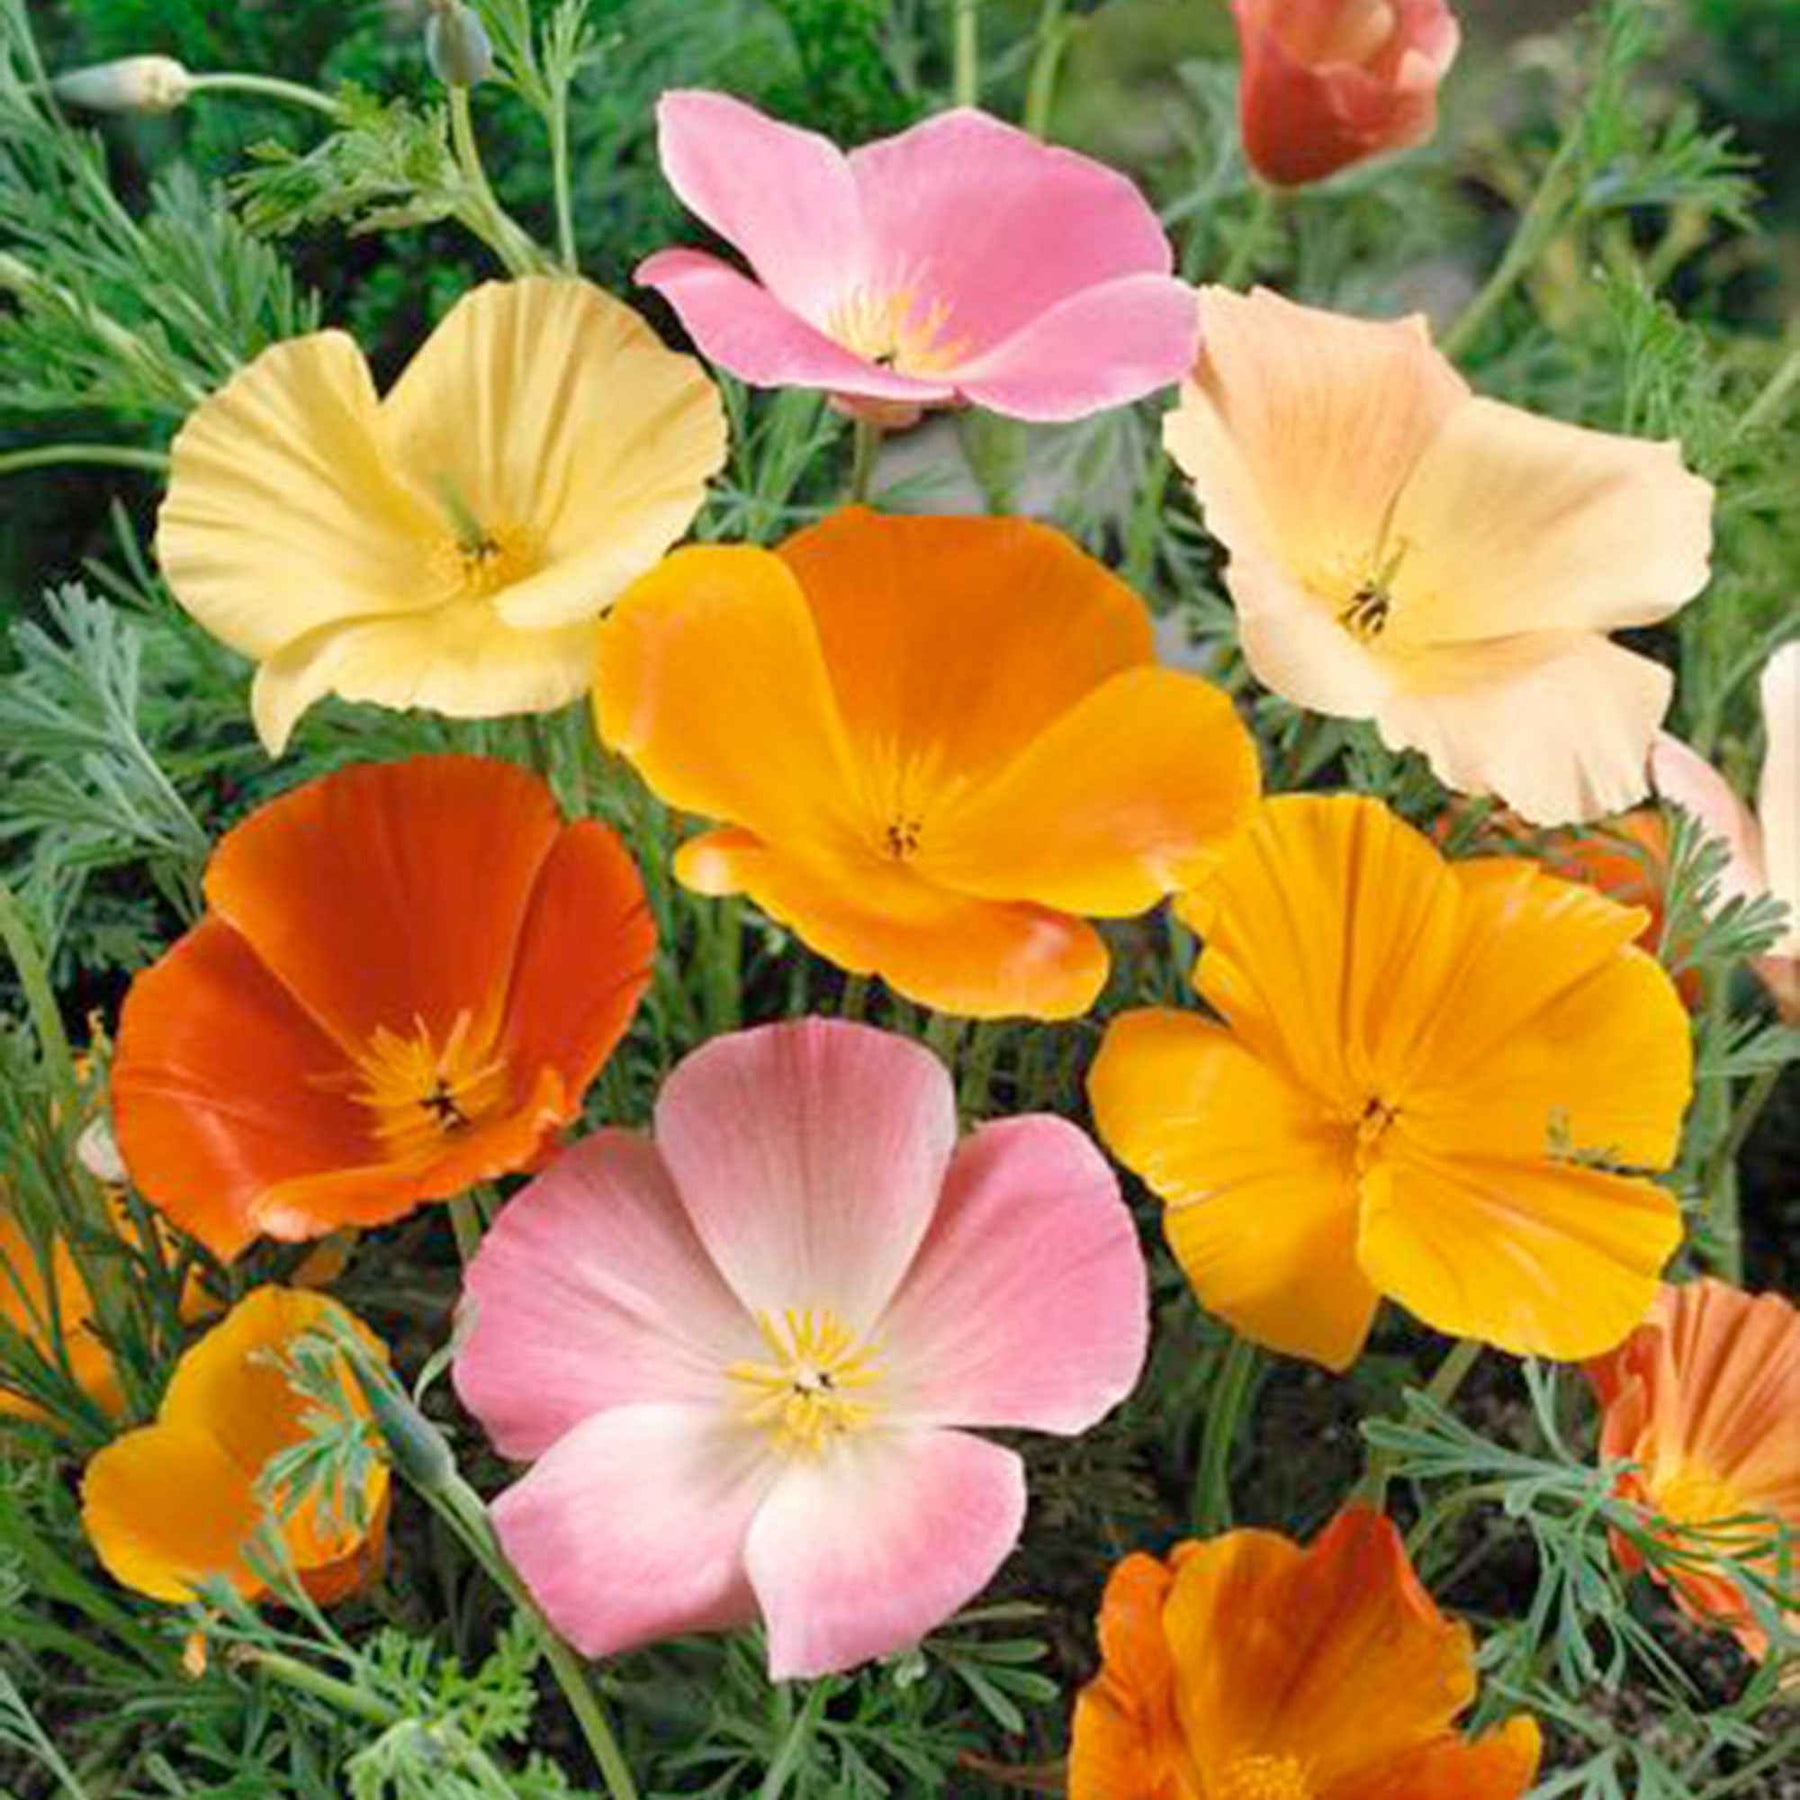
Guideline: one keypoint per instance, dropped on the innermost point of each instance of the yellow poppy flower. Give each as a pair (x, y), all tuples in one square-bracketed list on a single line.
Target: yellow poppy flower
[(1435, 1082), (1405, 551), (451, 544)]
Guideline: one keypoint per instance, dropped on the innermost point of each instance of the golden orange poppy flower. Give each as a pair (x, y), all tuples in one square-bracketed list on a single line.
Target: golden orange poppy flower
[(407, 976), (1406, 551), (450, 544), (1434, 1082), (1703, 1401), (1248, 1668), (174, 1503), (48, 1305), (935, 748)]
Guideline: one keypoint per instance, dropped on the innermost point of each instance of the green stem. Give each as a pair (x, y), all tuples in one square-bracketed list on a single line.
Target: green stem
[(265, 87), (793, 1746), (865, 448), (1040, 85), (1720, 1182), (465, 1221), (1246, 253), (40, 1000), (1774, 396), (853, 1002), (1224, 1413), (1713, 1111), (305, 1679), (559, 180), (966, 52), (1441, 1389), (112, 456), (487, 218)]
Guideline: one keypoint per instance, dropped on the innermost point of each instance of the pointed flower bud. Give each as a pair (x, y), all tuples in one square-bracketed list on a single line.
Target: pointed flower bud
[(133, 84), (456, 46)]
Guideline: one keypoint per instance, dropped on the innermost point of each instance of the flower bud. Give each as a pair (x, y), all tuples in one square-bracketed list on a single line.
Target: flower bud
[(456, 46), (133, 84), (416, 1448), (1328, 83)]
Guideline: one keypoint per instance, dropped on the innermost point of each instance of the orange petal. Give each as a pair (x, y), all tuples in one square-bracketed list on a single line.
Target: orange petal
[(976, 958), (1260, 1189), (50, 1314), (1499, 1765), (1128, 795)]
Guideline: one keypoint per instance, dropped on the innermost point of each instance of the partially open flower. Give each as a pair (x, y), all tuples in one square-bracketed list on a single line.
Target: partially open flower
[(1406, 551), (452, 544), (1703, 1401), (1327, 83), (1248, 1668), (406, 978), (1438, 1082), (176, 1503), (748, 1358), (961, 260)]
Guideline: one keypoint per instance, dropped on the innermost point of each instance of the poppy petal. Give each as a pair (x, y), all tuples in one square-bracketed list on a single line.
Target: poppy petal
[(1499, 1765), (1778, 800), (1694, 785)]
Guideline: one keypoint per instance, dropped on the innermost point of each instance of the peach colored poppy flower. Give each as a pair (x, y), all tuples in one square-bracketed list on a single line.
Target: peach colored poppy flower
[(1248, 1668), (1703, 1401), (747, 1358), (1405, 551), (175, 1503), (450, 544), (1328, 83), (961, 260), (407, 976), (1433, 1082), (936, 747)]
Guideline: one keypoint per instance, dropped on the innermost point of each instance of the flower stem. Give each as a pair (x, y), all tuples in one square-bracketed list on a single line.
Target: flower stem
[(1040, 85), (307, 1680), (1224, 1413), (966, 65), (1767, 405), (559, 180), (40, 999), (465, 1221), (1246, 252), (265, 87), (486, 217), (865, 447), (113, 456), (1441, 1389)]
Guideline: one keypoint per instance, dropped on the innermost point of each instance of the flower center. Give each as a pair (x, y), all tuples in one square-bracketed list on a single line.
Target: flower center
[(1692, 1495), (1367, 613), (1261, 1778), (902, 837), (422, 1092), (805, 1394), (1371, 1127), (896, 330)]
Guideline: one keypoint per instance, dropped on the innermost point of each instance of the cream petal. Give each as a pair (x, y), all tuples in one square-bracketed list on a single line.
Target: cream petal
[(1778, 799), (1296, 647)]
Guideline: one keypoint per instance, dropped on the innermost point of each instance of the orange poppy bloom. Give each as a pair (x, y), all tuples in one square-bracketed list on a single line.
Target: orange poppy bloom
[(406, 978), (936, 747), (175, 1503), (29, 1303), (1248, 1668), (1432, 1080), (1702, 1400)]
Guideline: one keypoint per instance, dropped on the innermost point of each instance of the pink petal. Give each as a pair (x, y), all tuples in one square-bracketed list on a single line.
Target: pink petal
[(1692, 783), (1027, 1304), (862, 1551), (745, 329), (998, 226), (810, 1156), (784, 197), (632, 1528), (591, 1291)]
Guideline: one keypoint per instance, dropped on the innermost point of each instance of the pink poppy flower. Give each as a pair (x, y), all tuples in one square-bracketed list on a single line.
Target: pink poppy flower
[(744, 1357), (961, 260)]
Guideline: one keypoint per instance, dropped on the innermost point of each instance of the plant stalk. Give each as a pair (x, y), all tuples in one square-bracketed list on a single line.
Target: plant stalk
[(1224, 1414)]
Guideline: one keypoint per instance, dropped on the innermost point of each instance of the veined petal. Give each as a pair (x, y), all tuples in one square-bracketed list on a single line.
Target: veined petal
[(1499, 1765)]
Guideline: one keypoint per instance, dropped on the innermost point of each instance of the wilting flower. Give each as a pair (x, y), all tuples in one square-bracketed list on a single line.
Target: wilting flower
[(1433, 1083), (1406, 551), (1702, 1401), (1248, 1668), (743, 1356), (176, 1503), (935, 744), (406, 978), (961, 260), (449, 545), (1765, 849), (1327, 83)]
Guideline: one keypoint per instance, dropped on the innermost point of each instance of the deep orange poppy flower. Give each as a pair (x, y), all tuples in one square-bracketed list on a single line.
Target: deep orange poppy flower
[(1432, 1082), (174, 1503), (1248, 1668), (407, 976), (937, 747), (1703, 1400)]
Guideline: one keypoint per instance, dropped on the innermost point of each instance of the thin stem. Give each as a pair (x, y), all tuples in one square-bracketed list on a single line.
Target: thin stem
[(853, 1002), (1713, 1111), (112, 456), (1774, 396), (966, 69), (793, 1746), (1246, 253), (40, 999), (265, 87), (465, 1221), (865, 448), (1224, 1413), (1046, 62), (1719, 1185), (559, 180), (307, 1680), (488, 219), (1441, 1389)]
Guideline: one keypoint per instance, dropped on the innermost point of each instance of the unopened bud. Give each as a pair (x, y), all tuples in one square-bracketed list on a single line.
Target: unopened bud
[(415, 1446), (456, 46), (133, 84)]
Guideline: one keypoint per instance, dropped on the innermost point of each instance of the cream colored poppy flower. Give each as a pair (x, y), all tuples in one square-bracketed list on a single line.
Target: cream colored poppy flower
[(1405, 551), (452, 544)]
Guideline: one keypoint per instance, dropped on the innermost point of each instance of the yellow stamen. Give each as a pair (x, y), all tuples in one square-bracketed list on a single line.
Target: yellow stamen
[(803, 1396), (1261, 1778), (894, 329), (422, 1092)]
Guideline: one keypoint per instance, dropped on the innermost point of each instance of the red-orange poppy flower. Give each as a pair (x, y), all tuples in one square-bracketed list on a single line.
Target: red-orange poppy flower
[(1703, 1402), (1248, 1668), (935, 747), (407, 976)]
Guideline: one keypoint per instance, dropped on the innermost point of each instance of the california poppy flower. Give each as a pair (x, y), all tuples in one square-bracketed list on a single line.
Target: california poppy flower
[(407, 975), (451, 544), (1703, 1402), (175, 1503), (933, 745), (47, 1302), (746, 1357), (1405, 551), (961, 260), (1328, 83), (1248, 1668), (1434, 1082)]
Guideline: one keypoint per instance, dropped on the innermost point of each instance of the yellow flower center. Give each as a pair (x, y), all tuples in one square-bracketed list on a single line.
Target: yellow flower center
[(1261, 1778), (478, 565), (897, 331), (805, 1395), (1693, 1495), (1372, 1125), (422, 1092)]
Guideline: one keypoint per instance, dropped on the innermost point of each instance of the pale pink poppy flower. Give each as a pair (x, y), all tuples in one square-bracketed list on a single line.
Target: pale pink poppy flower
[(1765, 845), (961, 260), (745, 1357)]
